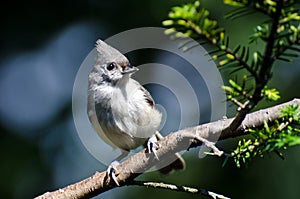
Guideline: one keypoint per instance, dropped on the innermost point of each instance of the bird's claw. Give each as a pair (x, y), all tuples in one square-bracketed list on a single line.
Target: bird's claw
[(152, 146), (112, 170)]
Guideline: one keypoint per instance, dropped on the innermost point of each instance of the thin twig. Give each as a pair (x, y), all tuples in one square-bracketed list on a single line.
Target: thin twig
[(286, 47), (264, 72), (227, 49), (186, 189), (236, 102), (210, 145)]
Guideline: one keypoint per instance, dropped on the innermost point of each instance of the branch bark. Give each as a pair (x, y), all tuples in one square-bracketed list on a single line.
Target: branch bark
[(174, 142)]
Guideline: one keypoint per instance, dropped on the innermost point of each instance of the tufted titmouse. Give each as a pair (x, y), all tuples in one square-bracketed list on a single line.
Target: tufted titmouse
[(122, 111)]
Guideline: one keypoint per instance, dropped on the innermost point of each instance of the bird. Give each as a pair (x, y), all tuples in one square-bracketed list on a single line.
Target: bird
[(121, 110)]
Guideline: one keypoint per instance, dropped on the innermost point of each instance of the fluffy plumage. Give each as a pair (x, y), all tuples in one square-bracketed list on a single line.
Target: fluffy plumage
[(124, 109)]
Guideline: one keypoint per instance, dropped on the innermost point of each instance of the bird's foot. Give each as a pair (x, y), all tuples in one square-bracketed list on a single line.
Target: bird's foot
[(112, 171), (152, 145)]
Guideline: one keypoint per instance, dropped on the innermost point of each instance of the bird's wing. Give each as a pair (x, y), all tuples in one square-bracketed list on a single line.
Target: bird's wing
[(147, 96)]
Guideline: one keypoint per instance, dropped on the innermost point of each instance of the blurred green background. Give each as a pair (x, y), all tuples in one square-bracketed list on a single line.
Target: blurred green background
[(42, 46)]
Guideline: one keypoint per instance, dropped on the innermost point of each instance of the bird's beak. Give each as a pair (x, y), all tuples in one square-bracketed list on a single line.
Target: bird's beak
[(129, 70)]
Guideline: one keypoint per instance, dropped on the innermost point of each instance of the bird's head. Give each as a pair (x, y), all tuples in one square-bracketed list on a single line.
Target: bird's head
[(111, 66)]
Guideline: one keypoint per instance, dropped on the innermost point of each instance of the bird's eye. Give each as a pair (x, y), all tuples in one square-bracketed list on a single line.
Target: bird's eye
[(111, 66)]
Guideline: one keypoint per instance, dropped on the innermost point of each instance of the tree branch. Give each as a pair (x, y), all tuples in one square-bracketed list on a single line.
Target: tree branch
[(186, 189), (263, 75), (174, 142)]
